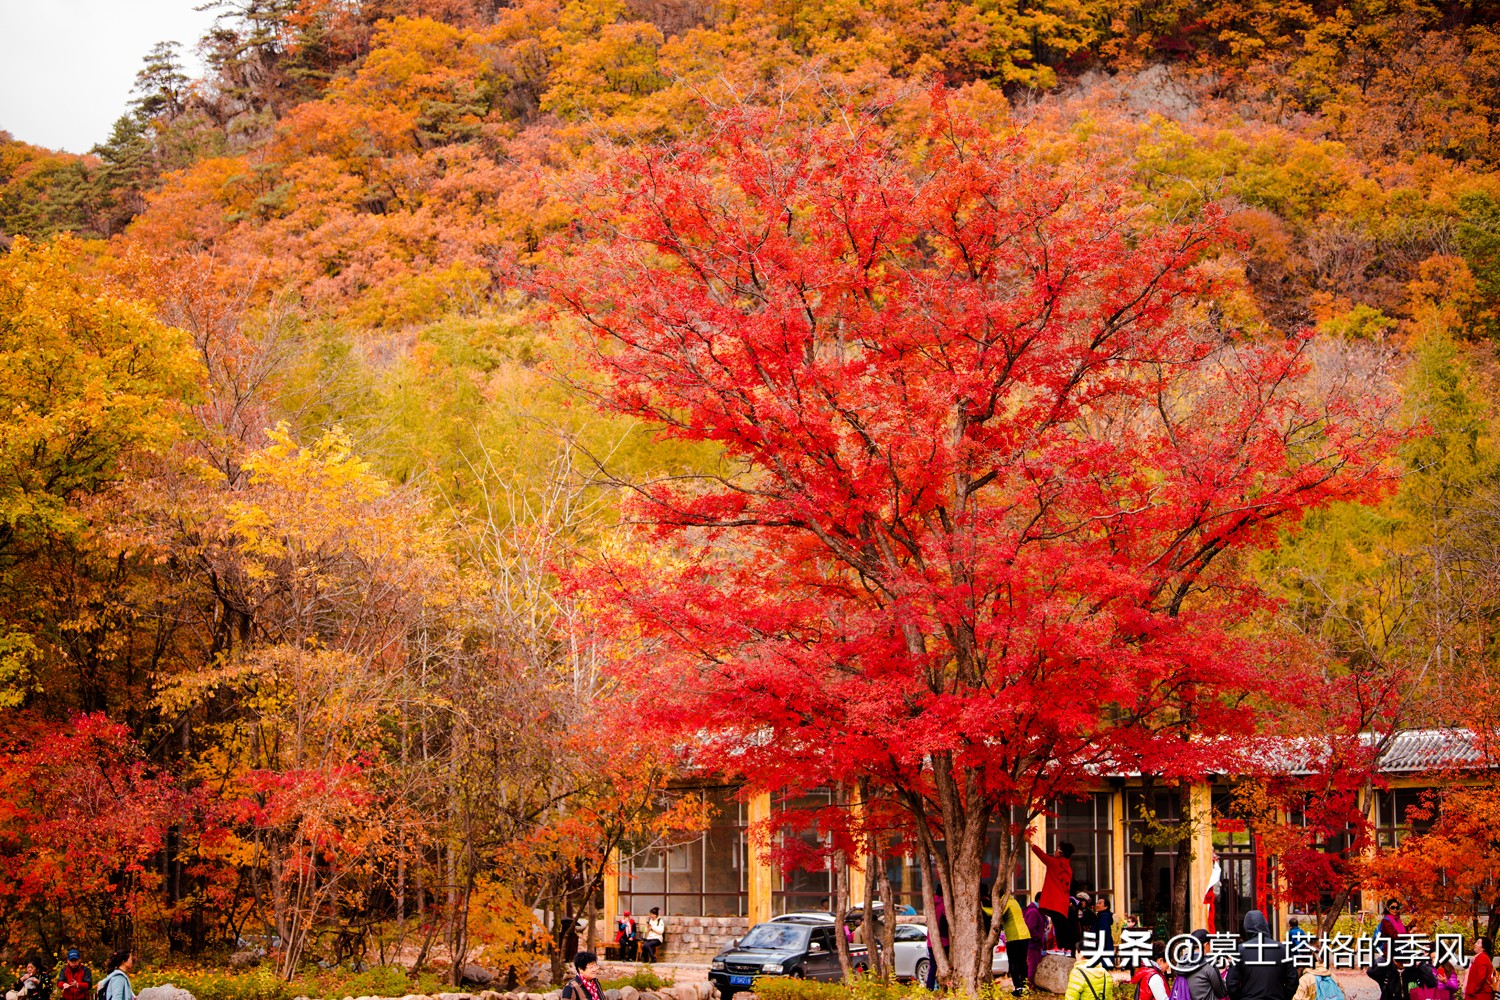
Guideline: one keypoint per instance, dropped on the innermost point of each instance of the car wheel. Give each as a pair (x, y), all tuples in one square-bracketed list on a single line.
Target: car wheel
[(919, 974), (797, 974)]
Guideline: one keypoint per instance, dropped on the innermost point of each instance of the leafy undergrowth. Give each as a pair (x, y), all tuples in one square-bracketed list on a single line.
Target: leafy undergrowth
[(643, 979), (262, 983)]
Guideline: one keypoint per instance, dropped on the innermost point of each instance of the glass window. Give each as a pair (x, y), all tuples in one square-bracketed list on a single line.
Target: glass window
[(1085, 823), (1150, 823), (707, 875), (1019, 879), (1398, 814), (810, 886)]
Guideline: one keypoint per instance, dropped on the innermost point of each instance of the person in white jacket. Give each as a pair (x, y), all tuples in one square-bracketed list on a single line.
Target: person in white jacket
[(656, 934)]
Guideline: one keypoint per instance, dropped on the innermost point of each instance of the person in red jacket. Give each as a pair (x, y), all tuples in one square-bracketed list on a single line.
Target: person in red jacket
[(1057, 890), (1480, 985), (74, 980)]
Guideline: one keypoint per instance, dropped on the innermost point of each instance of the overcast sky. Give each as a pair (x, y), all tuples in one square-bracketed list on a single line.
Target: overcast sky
[(66, 66)]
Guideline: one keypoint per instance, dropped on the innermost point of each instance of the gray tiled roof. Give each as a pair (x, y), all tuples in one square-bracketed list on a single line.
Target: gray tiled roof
[(1431, 749)]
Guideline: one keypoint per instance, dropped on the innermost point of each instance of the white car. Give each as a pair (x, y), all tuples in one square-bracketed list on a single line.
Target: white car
[(911, 954)]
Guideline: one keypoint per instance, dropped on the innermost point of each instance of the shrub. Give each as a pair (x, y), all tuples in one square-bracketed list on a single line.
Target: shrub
[(254, 984), (643, 980), (858, 988)]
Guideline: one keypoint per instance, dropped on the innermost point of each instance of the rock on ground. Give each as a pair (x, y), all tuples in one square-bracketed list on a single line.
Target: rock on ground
[(1052, 973), (478, 975), (166, 991)]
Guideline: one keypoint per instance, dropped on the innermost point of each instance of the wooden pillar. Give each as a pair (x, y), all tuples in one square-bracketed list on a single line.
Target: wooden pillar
[(762, 874), (1283, 905), (856, 864), (1201, 840), (611, 894), (1119, 896), (1036, 872)]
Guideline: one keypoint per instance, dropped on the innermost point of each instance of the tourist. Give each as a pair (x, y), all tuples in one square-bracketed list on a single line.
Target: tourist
[(1317, 983), (1480, 983), (1091, 982), (940, 918), (1036, 925), (1447, 985), (1057, 887), (656, 935), (1017, 943), (1204, 980), (625, 937), (585, 984), (75, 980), (116, 984), (1262, 971), (32, 984), (1393, 977), (1102, 923), (1150, 980)]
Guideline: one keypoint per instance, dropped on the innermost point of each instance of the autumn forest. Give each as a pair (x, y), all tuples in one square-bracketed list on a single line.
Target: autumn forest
[(447, 429)]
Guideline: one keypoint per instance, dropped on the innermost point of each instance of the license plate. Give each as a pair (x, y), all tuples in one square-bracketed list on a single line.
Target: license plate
[(741, 980)]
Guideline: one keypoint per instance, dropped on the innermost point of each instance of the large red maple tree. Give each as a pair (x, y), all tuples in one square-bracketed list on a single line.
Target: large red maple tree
[(985, 446)]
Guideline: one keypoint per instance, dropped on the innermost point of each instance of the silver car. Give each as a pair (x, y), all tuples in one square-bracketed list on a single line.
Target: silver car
[(911, 954)]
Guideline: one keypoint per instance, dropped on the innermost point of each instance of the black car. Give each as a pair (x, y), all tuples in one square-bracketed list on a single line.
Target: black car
[(802, 950)]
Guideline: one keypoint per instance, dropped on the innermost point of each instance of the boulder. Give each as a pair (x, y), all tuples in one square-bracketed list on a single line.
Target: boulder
[(455, 996), (554, 995), (629, 993), (489, 995), (478, 975), (1052, 973), (611, 995), (166, 991)]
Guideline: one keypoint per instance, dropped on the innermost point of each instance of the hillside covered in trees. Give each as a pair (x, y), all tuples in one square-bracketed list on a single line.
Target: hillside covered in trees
[(346, 394)]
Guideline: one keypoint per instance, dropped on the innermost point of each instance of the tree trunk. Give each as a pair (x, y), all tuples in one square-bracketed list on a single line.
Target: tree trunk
[(929, 910), (888, 916), (869, 929), (841, 912), (593, 918), (1185, 856), (1148, 858)]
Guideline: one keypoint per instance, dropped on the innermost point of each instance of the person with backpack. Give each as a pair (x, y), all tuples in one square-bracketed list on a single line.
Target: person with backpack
[(75, 981), (1090, 982), (585, 983), (116, 984), (1317, 983), (1203, 981), (1261, 971), (1150, 980)]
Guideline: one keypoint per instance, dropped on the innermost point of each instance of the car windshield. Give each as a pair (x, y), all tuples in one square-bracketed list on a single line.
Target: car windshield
[(775, 937)]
